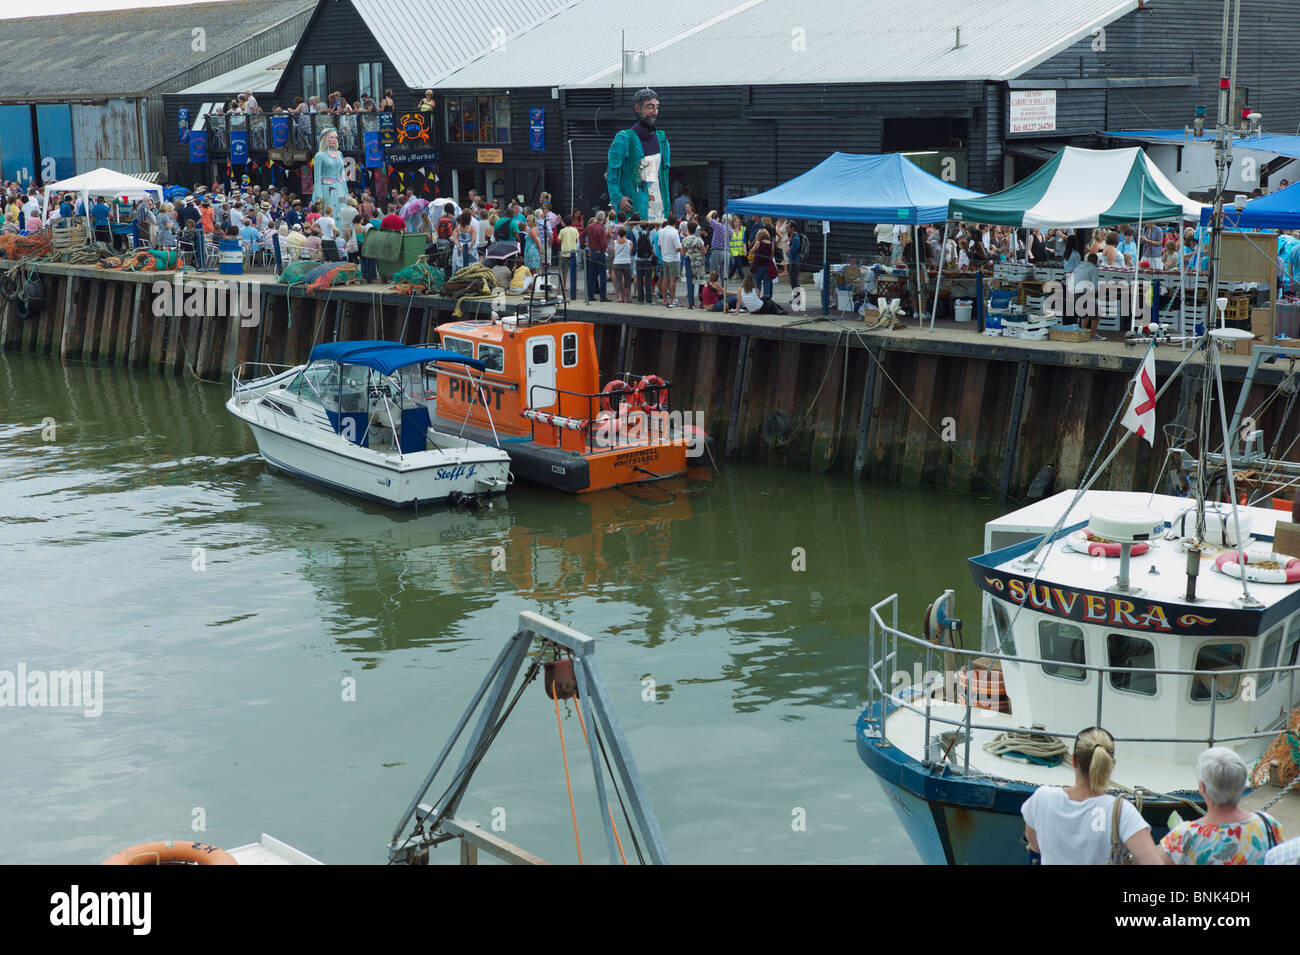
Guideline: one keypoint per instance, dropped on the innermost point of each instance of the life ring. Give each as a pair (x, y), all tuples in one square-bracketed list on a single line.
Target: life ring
[(1287, 571), (171, 852), (1079, 543), (647, 385), (609, 399)]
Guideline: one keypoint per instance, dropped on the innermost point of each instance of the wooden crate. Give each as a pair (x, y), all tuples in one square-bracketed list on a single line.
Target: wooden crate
[(68, 234), (1069, 334)]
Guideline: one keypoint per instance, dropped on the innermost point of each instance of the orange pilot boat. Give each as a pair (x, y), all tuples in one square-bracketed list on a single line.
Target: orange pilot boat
[(550, 413)]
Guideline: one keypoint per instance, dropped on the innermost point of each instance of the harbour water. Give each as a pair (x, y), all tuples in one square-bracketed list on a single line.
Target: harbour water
[(233, 612)]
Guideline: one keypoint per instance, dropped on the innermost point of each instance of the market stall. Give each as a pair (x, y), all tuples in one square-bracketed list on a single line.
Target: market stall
[(100, 182), (847, 187), (1080, 189)]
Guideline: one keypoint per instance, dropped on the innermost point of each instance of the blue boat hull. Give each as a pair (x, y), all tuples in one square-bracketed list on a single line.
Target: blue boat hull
[(959, 820)]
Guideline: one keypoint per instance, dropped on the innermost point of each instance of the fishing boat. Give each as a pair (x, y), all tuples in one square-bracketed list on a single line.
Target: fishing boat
[(561, 428), (355, 418), (1126, 618), (1170, 620)]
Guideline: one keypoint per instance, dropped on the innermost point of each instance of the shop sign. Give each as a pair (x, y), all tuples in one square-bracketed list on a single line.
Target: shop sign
[(537, 129), (489, 156), (387, 130), (414, 158), (1032, 111), (279, 132), (198, 145)]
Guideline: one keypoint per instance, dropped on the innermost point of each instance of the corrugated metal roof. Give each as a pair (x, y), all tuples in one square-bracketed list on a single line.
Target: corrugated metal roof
[(734, 42), (260, 76), (125, 51), (427, 40)]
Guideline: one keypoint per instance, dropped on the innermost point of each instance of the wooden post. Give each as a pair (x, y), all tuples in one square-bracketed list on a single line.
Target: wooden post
[(133, 343), (744, 355), (1013, 427), (868, 402), (65, 330)]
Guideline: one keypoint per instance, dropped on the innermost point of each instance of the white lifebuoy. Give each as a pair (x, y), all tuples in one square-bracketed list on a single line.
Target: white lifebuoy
[(1287, 571), (1079, 543)]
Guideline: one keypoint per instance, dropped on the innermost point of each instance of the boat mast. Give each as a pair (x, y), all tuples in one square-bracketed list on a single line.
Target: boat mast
[(1222, 163)]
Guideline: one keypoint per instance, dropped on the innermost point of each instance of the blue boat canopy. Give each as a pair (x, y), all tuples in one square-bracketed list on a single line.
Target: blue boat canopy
[(1277, 210), (387, 357), (1277, 143), (848, 187)]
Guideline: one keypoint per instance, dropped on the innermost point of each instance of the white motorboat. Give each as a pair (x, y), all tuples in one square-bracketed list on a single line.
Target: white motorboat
[(355, 418)]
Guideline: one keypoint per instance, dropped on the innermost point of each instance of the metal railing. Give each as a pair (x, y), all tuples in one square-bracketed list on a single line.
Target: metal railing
[(587, 408), (881, 671)]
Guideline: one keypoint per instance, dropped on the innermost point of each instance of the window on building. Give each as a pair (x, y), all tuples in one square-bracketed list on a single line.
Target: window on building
[(477, 119), (1214, 657), (313, 82), (370, 80), (493, 357), (1062, 642), (569, 349), (1268, 657), (1123, 650)]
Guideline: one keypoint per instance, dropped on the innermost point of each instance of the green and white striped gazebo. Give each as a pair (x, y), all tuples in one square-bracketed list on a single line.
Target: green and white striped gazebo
[(1082, 189)]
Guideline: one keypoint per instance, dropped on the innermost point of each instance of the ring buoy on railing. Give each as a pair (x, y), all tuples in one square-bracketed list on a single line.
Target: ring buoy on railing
[(650, 385), (1280, 569), (1079, 543), (610, 399), (172, 852)]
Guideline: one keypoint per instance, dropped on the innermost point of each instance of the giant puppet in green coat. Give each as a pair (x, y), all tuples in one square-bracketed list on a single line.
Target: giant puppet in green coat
[(638, 163)]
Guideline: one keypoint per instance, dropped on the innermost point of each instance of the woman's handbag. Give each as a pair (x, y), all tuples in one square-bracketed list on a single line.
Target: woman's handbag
[(1119, 854)]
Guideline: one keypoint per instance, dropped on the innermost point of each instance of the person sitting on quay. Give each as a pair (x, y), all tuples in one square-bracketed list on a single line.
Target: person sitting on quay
[(1074, 825), (714, 297), (1226, 834)]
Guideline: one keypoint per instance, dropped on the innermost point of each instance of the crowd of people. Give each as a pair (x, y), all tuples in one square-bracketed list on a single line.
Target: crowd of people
[(1084, 825), (334, 104)]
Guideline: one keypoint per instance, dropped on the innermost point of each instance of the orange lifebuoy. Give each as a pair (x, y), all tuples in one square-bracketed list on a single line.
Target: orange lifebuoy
[(608, 397), (648, 384), (171, 852)]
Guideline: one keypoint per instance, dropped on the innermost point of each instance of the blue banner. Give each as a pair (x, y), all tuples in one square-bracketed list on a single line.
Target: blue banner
[(279, 132), (374, 151), (537, 129), (183, 125), (238, 147), (198, 145)]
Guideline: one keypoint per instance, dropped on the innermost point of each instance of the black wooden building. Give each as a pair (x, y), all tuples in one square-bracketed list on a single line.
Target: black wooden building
[(529, 92)]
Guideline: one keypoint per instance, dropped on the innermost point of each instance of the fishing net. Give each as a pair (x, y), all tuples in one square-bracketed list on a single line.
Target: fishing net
[(297, 273), (1285, 751), (420, 276), (319, 281), (15, 246)]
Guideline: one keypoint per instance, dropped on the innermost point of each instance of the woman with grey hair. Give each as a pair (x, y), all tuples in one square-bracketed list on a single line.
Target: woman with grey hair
[(1226, 834)]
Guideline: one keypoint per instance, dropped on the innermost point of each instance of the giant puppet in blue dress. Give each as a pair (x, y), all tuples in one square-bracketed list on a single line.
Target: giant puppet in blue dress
[(637, 174), (329, 186)]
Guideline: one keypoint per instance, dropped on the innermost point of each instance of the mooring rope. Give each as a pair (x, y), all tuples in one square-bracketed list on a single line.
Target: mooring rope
[(567, 781)]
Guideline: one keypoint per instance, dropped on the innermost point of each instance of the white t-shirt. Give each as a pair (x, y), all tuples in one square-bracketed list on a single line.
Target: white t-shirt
[(750, 300), (670, 244), (327, 227), (1077, 833)]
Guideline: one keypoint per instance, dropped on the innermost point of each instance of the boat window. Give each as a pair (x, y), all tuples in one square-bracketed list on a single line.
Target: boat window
[(541, 353), (317, 383), (1002, 627), (569, 349), (1268, 657), (1218, 656), (461, 346), (1125, 650), (1288, 656), (492, 356), (1063, 642)]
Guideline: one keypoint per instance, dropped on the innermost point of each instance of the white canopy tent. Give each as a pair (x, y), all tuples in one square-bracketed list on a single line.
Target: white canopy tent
[(101, 182)]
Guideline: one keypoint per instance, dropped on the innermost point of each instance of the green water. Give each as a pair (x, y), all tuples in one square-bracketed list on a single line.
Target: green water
[(227, 607)]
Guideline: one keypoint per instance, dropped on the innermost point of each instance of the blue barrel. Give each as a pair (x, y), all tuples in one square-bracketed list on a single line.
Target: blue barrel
[(231, 259)]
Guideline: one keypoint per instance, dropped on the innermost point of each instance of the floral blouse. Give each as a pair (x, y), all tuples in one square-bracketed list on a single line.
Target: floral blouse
[(1238, 843)]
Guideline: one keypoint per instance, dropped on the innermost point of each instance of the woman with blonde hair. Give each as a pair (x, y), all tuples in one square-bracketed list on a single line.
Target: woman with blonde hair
[(1073, 826)]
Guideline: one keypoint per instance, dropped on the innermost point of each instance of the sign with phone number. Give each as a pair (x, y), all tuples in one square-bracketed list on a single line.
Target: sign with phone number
[(1031, 111)]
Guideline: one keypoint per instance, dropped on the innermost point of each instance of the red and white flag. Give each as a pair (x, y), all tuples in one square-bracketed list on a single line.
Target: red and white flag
[(1141, 414)]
